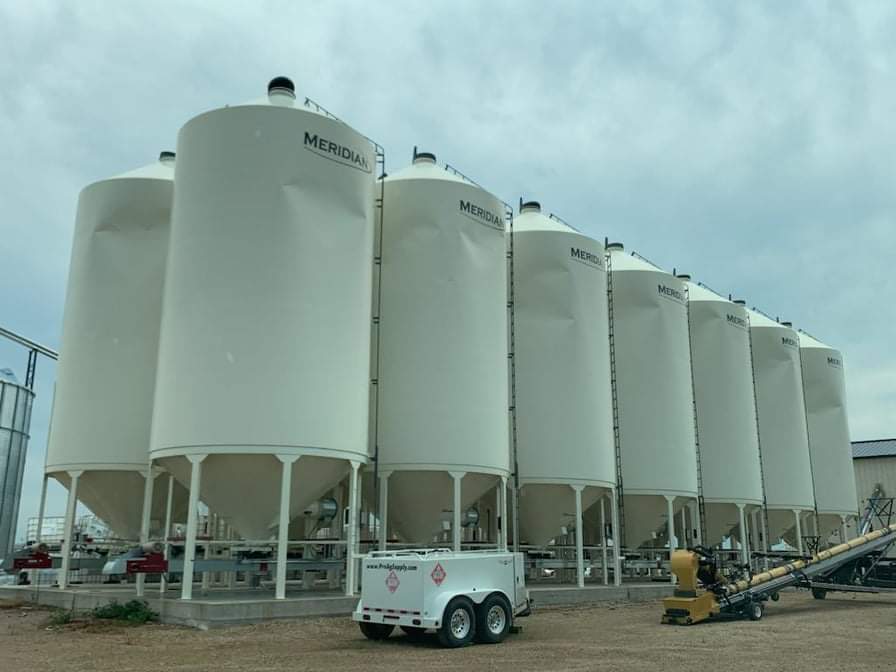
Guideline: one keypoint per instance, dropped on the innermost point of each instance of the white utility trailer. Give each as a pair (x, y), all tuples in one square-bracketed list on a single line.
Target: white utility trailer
[(463, 595)]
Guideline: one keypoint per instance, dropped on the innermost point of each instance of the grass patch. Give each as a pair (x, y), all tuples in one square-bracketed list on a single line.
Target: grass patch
[(134, 611), (60, 617)]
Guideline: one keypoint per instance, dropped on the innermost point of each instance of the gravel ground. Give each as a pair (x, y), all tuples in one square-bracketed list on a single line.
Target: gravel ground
[(845, 632)]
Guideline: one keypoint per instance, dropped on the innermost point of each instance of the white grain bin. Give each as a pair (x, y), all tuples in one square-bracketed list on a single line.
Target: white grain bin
[(654, 395), (15, 421), (443, 382), (265, 344), (783, 440), (725, 408), (563, 396), (824, 388), (107, 365)]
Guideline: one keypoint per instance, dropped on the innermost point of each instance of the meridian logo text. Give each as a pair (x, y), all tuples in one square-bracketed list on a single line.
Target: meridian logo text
[(737, 321), (336, 152), (475, 212), (671, 292), (587, 257)]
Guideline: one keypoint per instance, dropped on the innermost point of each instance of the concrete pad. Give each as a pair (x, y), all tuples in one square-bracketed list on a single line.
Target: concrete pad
[(225, 607)]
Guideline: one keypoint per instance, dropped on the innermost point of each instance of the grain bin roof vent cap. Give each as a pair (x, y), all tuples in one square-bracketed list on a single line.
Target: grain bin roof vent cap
[(166, 157), (424, 157), (530, 206), (615, 246), (740, 302), (683, 276), (281, 91), (787, 324)]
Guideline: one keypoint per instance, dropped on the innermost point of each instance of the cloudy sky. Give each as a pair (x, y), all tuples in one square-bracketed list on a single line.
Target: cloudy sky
[(750, 144)]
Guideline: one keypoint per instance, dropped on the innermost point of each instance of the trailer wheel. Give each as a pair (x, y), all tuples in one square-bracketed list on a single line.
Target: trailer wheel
[(376, 631), (819, 593), (493, 619), (414, 634), (458, 623), (775, 597), (754, 611)]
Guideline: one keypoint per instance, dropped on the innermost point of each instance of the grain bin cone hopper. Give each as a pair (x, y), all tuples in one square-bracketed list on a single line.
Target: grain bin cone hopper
[(443, 376), (100, 429), (780, 407), (824, 387), (649, 327), (564, 410), (264, 354), (725, 409)]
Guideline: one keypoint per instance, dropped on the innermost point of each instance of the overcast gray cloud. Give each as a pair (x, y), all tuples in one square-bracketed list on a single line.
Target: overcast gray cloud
[(750, 144)]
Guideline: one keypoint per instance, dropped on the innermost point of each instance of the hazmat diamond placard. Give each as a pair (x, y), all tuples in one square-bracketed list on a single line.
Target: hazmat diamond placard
[(392, 581), (438, 574)]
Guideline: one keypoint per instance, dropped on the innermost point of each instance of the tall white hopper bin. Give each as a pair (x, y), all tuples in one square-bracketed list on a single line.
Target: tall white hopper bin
[(100, 431), (264, 356), (824, 388), (726, 410), (564, 405), (654, 396), (443, 381), (783, 439)]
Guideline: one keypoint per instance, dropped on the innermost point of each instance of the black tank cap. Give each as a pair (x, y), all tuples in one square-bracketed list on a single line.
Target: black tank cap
[(534, 205), (166, 155), (425, 155), (615, 246), (683, 276), (787, 324), (740, 302), (281, 83)]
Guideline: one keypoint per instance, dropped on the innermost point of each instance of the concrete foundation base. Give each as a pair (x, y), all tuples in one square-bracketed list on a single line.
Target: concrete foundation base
[(221, 608)]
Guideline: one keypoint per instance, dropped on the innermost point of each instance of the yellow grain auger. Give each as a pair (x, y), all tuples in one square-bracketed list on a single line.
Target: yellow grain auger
[(746, 597)]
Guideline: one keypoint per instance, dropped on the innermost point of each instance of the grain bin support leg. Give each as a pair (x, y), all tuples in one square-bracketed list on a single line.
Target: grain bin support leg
[(455, 527), (744, 536), (603, 540), (351, 581), (799, 531), (283, 528), (695, 520), (166, 532), (670, 527), (843, 538), (766, 545), (186, 591), (617, 548), (69, 529), (146, 517), (580, 551), (43, 507), (502, 503), (384, 509)]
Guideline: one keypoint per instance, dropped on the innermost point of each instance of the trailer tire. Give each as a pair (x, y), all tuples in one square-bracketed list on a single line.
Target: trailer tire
[(754, 611), (775, 597), (819, 593), (376, 631), (414, 634), (493, 618), (458, 623)]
